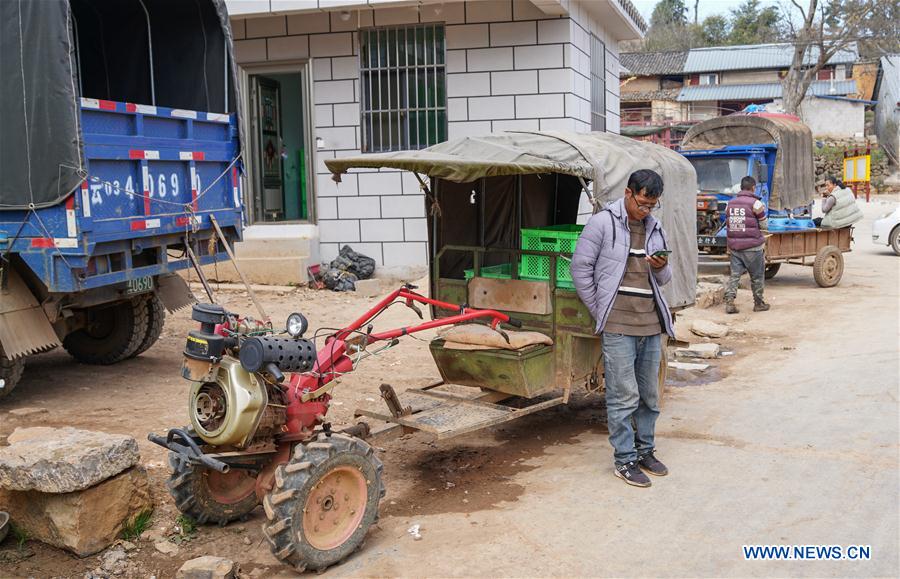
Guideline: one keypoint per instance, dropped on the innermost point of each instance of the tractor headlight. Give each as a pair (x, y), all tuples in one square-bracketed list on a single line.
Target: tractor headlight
[(296, 325)]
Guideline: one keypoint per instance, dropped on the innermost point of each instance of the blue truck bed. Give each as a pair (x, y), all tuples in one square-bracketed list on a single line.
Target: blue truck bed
[(153, 176)]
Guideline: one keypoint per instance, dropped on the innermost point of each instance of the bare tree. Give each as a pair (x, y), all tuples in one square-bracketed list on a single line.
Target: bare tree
[(829, 26)]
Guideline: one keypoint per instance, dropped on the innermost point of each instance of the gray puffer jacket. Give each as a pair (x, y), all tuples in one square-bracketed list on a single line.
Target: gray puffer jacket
[(598, 264)]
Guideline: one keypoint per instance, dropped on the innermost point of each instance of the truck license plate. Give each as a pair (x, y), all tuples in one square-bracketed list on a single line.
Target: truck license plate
[(707, 240), (140, 285)]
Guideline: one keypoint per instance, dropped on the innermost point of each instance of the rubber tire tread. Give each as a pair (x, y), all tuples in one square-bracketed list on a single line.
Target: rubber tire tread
[(282, 531), (156, 318), (11, 372), (105, 351), (819, 266), (772, 270), (186, 487), (894, 239)]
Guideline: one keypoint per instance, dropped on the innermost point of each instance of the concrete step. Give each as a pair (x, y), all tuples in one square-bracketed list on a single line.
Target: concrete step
[(258, 270), (266, 248)]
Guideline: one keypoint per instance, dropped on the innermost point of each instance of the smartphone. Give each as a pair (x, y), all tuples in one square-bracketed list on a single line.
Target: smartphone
[(661, 253)]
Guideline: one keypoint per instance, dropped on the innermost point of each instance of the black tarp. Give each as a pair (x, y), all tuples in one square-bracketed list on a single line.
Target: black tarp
[(43, 46), (495, 205)]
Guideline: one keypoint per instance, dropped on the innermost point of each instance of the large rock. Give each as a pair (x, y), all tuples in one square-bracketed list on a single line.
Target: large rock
[(709, 295), (207, 568), (709, 329), (63, 460), (85, 521), (709, 350)]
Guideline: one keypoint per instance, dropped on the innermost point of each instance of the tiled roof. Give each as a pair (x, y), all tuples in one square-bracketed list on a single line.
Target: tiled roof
[(667, 94), (652, 63), (760, 91), (757, 56), (720, 58)]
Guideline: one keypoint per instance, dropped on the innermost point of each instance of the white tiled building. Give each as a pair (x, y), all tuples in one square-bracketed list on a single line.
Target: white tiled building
[(387, 75)]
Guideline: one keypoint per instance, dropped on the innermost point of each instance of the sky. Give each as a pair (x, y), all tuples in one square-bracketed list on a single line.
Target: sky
[(706, 7)]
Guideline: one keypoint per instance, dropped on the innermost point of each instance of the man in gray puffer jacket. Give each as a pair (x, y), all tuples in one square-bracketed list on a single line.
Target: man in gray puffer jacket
[(619, 264)]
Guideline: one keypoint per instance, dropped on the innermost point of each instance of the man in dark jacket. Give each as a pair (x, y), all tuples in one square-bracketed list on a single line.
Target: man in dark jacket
[(745, 218), (619, 264)]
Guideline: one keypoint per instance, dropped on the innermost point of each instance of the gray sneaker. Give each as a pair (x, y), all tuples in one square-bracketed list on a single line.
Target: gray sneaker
[(631, 474), (649, 464)]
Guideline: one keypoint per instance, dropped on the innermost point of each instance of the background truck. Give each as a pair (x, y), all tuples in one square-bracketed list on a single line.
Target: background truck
[(120, 147), (775, 149)]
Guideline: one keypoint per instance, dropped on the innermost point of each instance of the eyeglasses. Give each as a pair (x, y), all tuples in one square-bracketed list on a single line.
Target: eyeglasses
[(648, 207)]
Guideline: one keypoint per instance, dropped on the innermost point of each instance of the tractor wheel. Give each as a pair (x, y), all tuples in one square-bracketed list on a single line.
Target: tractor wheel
[(208, 496), (10, 373), (828, 266), (112, 333), (156, 317), (324, 501), (772, 270)]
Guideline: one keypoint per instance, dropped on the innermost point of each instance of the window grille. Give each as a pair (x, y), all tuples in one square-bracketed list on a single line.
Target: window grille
[(404, 88)]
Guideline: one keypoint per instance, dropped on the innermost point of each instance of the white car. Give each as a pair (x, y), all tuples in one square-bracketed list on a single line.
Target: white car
[(886, 231)]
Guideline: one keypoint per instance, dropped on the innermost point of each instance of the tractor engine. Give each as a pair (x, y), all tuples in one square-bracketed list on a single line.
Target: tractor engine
[(709, 214), (236, 397)]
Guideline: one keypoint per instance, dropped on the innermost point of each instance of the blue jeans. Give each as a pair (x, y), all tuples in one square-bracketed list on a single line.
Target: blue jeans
[(631, 371)]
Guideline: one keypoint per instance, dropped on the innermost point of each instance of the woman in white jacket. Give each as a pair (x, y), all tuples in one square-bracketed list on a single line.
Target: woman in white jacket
[(838, 205)]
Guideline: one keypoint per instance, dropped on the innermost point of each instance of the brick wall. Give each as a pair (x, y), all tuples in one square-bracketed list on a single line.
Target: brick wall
[(509, 67)]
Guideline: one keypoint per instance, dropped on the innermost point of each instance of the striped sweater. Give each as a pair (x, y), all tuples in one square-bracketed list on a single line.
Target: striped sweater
[(634, 309)]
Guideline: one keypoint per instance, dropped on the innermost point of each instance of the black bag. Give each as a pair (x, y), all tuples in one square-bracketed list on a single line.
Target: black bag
[(362, 266), (339, 280)]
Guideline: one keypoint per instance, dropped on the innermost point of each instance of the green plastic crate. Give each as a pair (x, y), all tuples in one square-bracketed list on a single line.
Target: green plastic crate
[(556, 239), (502, 271)]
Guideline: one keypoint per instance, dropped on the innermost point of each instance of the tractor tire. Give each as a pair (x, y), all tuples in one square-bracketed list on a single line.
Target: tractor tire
[(309, 493), (10, 373), (207, 496), (112, 333), (156, 317), (828, 267), (772, 270)]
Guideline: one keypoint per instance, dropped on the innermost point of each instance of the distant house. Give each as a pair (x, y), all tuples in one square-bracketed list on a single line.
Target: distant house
[(661, 90), (887, 111)]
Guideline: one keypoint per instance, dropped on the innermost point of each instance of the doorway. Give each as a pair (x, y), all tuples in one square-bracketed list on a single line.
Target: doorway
[(280, 149)]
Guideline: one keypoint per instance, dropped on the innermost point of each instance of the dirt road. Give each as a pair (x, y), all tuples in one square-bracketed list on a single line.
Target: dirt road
[(793, 440)]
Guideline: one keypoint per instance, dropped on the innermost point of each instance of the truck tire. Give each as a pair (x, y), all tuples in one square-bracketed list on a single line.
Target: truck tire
[(324, 501), (207, 496), (828, 267), (156, 317), (10, 373), (772, 270), (112, 333)]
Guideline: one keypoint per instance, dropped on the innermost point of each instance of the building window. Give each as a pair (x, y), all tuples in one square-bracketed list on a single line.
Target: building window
[(404, 88), (598, 84), (709, 79)]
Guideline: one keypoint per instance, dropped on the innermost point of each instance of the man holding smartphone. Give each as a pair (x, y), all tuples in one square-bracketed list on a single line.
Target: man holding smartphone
[(619, 264)]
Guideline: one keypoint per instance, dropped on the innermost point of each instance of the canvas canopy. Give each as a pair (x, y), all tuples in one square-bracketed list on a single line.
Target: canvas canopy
[(168, 53), (793, 181), (486, 163)]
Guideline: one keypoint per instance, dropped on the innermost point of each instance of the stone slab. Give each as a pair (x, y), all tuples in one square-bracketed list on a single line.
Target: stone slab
[(63, 460)]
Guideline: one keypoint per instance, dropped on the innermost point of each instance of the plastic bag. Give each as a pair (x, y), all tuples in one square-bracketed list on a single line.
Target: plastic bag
[(339, 280), (362, 266)]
